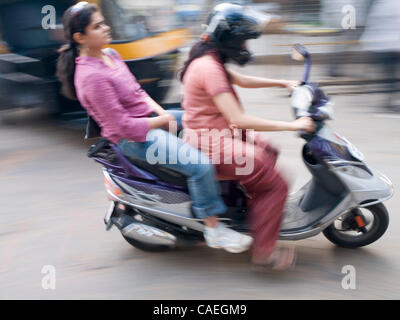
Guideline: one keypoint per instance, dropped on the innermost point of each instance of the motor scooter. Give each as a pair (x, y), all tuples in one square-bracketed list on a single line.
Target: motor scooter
[(151, 205)]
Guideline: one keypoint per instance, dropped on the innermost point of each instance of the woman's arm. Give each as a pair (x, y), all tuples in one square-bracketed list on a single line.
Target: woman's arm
[(165, 118), (232, 112), (161, 121), (102, 96), (156, 107), (259, 82)]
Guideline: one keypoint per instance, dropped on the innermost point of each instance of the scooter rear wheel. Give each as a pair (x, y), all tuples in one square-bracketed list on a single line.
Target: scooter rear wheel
[(348, 235)]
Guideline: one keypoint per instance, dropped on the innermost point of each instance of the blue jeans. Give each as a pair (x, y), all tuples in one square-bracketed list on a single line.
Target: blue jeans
[(203, 187)]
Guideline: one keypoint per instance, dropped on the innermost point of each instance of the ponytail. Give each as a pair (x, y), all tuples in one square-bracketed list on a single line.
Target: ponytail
[(66, 69)]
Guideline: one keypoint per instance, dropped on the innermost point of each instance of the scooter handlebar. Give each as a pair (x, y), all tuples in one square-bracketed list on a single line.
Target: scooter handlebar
[(307, 68)]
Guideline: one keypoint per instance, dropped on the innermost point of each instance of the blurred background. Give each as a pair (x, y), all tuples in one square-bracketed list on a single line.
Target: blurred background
[(53, 198), (154, 37)]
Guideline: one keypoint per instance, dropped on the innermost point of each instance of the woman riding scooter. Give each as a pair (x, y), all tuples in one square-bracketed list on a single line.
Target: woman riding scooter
[(129, 118), (210, 102)]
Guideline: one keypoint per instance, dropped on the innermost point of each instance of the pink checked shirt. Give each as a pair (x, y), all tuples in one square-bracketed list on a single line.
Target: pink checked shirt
[(113, 98)]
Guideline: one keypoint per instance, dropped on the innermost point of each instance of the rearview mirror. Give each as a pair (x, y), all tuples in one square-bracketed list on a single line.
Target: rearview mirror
[(299, 52)]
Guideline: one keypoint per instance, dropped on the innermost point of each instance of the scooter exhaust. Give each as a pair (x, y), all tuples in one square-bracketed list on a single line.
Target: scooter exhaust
[(148, 234)]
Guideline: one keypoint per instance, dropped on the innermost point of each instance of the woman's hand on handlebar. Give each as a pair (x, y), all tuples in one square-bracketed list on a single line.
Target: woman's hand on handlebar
[(305, 124), (290, 84)]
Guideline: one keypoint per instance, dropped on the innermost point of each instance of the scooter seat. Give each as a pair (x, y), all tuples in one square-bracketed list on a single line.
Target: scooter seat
[(102, 150), (166, 174)]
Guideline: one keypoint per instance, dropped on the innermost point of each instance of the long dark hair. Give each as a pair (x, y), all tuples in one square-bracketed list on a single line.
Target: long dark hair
[(200, 49), (73, 21)]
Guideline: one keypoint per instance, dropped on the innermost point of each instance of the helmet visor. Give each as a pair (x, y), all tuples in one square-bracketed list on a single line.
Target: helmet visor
[(262, 19), (256, 20)]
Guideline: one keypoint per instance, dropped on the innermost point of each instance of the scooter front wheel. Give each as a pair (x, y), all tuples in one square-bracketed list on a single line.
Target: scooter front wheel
[(358, 227)]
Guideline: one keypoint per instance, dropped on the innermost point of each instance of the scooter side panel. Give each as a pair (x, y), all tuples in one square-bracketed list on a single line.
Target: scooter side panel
[(365, 187), (297, 218), (320, 225), (160, 198)]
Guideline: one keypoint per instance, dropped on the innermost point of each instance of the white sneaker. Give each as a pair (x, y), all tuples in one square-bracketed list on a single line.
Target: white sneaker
[(226, 238)]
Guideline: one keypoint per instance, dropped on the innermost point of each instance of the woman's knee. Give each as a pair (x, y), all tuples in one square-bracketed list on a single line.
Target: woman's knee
[(266, 177), (204, 170)]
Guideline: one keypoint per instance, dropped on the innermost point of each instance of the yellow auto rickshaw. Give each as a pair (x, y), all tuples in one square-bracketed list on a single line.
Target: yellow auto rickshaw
[(29, 52)]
